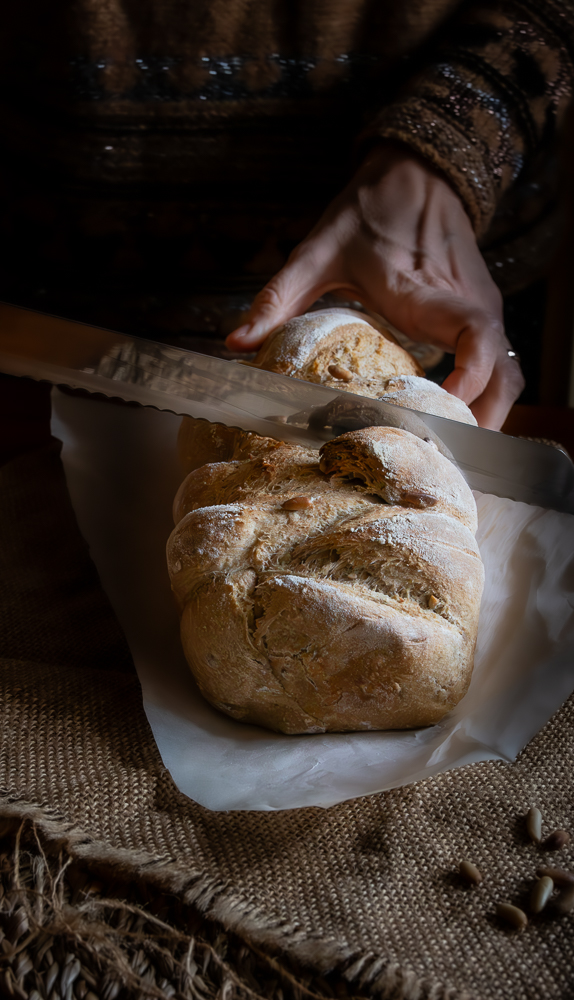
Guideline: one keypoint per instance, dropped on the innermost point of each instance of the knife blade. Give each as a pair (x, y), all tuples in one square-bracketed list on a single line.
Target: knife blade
[(65, 352)]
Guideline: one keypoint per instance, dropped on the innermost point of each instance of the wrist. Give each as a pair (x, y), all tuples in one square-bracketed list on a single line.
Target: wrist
[(389, 156), (397, 177)]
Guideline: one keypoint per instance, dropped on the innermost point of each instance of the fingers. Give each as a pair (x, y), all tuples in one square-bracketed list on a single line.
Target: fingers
[(478, 346), (290, 292), (506, 383), (485, 377)]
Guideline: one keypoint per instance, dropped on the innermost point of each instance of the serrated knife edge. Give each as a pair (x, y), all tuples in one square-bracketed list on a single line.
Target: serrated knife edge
[(34, 344)]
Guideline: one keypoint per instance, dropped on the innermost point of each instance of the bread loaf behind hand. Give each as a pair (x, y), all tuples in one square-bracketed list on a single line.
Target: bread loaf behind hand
[(334, 592)]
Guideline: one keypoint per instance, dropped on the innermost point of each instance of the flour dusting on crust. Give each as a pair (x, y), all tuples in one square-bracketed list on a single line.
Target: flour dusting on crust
[(331, 592)]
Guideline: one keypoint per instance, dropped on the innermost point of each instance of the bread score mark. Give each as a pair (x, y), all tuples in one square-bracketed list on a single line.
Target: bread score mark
[(348, 588), (358, 611)]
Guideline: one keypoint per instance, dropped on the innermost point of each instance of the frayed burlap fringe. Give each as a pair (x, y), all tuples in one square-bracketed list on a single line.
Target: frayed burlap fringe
[(71, 931), (61, 937)]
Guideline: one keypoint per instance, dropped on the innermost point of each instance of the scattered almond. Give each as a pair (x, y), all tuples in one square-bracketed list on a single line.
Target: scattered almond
[(541, 893), (470, 873), (557, 840), (534, 824), (415, 499), (565, 901), (559, 876), (432, 602), (337, 371), (297, 503), (512, 915)]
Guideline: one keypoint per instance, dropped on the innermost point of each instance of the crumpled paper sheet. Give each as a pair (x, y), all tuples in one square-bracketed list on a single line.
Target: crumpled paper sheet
[(122, 473)]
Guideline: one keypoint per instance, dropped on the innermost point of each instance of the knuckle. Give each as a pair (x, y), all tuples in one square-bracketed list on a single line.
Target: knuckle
[(517, 380), (496, 300), (484, 319), (513, 376), (268, 300), (477, 383), (493, 323)]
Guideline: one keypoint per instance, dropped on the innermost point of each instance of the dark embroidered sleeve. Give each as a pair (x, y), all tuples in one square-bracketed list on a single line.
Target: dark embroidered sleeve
[(492, 98)]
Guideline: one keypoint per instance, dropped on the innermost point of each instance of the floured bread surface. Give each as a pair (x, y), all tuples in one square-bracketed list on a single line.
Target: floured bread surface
[(401, 468), (414, 393), (308, 346), (331, 591)]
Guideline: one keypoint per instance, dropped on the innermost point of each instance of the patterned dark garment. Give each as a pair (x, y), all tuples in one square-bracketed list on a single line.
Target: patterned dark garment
[(156, 146)]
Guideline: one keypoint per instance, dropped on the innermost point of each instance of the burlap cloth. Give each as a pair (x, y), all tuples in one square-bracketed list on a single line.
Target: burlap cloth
[(369, 886)]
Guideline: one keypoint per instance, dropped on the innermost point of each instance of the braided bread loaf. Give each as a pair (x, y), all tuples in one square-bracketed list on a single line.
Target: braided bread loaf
[(328, 591)]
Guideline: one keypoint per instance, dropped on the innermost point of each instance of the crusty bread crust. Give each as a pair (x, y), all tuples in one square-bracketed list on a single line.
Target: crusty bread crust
[(414, 393), (330, 592), (307, 346)]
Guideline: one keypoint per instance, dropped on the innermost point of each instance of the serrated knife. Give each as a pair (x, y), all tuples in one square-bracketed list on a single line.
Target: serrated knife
[(65, 352)]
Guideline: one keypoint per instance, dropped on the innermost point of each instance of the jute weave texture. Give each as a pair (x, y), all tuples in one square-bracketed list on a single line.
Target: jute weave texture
[(369, 885)]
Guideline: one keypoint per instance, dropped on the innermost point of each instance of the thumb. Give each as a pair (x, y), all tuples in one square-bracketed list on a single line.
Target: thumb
[(289, 293)]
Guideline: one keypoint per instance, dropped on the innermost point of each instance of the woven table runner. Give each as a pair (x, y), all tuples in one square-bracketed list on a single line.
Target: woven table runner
[(369, 886)]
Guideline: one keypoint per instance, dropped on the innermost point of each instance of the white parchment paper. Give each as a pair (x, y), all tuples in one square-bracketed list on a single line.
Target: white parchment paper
[(122, 473)]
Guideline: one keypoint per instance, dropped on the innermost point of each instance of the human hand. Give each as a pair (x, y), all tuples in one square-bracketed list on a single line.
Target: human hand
[(399, 240)]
